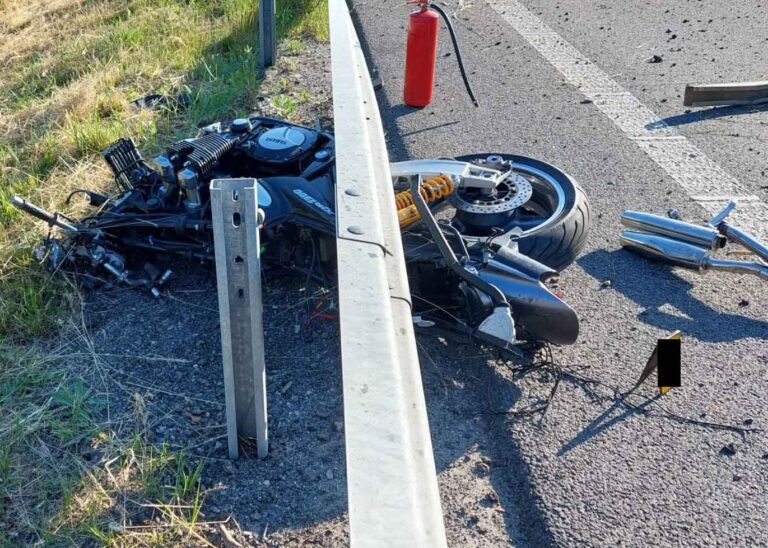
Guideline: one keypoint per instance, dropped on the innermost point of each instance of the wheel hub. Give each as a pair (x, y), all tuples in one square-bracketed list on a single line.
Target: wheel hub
[(512, 193)]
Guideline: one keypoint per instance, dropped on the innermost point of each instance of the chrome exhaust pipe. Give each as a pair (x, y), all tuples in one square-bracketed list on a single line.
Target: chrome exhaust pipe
[(685, 255), (666, 250), (702, 236), (740, 237)]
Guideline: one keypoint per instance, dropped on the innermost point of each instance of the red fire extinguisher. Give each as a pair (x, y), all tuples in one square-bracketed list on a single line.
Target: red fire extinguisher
[(421, 54)]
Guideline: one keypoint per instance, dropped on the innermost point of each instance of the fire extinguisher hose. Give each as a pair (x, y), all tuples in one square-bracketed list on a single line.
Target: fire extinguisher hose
[(455, 41)]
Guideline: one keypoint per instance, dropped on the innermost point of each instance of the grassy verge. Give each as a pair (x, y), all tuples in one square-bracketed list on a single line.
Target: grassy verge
[(70, 68), (66, 478), (70, 472)]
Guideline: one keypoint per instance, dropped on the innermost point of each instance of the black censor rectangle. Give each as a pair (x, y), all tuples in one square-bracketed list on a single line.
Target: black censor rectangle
[(668, 369)]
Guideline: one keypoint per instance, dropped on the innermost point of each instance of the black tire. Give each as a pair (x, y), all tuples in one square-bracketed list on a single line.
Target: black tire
[(558, 244)]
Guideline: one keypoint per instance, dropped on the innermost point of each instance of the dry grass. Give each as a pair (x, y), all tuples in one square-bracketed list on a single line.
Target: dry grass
[(75, 467), (74, 462)]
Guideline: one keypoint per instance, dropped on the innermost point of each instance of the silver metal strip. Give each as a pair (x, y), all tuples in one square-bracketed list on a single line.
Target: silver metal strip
[(391, 479), (236, 221)]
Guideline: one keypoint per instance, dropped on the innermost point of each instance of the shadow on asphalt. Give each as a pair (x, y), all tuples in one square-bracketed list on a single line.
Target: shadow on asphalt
[(467, 403), (655, 287), (603, 422), (708, 114)]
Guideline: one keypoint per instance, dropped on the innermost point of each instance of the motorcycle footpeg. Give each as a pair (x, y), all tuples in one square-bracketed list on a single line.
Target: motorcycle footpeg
[(498, 328)]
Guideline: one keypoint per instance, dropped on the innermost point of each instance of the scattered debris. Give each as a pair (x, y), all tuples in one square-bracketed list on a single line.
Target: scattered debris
[(653, 365), (482, 468), (227, 537), (376, 80), (156, 102), (622, 399)]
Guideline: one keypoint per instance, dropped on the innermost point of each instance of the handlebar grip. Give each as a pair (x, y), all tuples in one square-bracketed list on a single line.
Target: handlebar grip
[(43, 215)]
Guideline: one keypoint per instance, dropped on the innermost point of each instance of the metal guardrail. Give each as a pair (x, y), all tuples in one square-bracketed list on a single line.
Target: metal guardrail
[(236, 220), (391, 478)]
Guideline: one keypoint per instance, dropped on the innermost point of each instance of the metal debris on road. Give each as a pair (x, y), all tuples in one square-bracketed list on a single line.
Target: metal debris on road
[(683, 244), (732, 94), (653, 365)]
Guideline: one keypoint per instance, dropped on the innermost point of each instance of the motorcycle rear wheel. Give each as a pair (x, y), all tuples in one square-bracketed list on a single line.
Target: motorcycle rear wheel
[(556, 220)]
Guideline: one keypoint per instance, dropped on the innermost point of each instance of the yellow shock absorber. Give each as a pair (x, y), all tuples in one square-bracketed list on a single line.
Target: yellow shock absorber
[(431, 190)]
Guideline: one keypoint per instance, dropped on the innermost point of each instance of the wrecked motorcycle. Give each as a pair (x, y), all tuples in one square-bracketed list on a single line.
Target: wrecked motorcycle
[(482, 234)]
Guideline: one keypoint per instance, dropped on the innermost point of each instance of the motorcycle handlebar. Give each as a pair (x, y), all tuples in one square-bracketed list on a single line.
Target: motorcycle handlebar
[(43, 215)]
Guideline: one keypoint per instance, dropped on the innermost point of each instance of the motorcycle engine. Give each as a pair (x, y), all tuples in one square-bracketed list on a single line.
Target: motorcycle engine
[(247, 147), (272, 147), (281, 145)]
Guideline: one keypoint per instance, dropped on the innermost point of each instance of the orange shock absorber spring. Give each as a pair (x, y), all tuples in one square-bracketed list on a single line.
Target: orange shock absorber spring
[(431, 190)]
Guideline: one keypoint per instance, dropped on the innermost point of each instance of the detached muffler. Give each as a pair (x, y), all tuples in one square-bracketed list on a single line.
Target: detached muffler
[(683, 244), (688, 256), (702, 236)]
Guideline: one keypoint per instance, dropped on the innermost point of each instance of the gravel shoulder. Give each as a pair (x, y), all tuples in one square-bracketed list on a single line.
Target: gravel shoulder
[(166, 353)]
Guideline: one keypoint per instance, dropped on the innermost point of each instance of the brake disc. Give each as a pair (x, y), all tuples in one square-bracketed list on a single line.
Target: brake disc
[(510, 194)]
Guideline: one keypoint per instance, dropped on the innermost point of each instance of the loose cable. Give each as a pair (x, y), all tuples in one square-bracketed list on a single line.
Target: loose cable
[(455, 41)]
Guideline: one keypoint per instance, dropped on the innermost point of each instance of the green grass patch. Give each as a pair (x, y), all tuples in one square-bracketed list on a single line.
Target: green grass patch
[(285, 105), (303, 96), (292, 46), (50, 494)]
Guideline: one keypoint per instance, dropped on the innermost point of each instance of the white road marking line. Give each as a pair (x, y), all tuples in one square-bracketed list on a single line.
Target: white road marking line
[(705, 182)]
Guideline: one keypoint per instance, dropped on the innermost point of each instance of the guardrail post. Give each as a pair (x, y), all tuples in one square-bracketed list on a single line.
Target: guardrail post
[(267, 33), (236, 221)]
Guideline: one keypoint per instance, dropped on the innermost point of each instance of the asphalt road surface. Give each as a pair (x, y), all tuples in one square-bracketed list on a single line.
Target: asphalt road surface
[(570, 83)]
